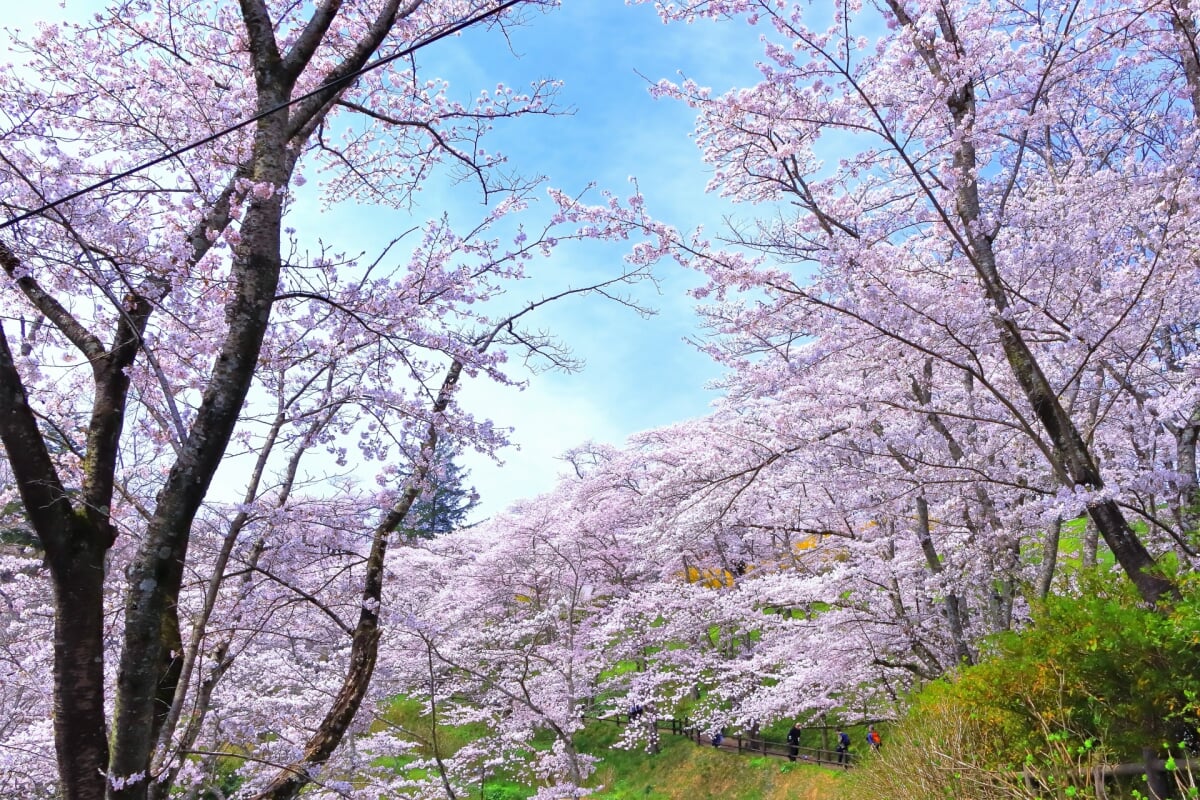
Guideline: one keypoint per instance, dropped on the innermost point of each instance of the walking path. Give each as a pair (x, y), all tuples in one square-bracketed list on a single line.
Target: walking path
[(746, 745)]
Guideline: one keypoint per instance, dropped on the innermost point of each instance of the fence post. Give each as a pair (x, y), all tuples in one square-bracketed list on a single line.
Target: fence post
[(1156, 780), (1098, 781)]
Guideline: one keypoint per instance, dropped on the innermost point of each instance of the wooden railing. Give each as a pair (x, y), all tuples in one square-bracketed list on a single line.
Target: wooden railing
[(743, 743), (1159, 779)]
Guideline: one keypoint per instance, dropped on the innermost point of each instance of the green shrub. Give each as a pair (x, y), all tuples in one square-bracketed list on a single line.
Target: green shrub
[(933, 753), (502, 790), (1097, 662), (1095, 678)]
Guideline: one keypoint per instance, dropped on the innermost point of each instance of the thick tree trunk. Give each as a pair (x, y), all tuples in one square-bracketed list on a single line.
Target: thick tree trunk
[(77, 575), (151, 660), (169, 763), (75, 553), (151, 663), (1075, 458), (1069, 454), (1090, 545), (1069, 448), (151, 657), (80, 726), (75, 542)]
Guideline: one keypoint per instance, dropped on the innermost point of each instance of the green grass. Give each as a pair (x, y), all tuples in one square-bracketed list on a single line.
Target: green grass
[(684, 771), (681, 770), (1070, 546)]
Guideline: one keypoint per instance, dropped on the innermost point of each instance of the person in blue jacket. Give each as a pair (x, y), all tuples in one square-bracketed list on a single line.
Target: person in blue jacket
[(843, 749), (874, 740)]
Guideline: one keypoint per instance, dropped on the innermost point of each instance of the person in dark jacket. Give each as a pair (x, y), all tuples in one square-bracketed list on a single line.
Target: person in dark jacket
[(843, 749), (793, 740)]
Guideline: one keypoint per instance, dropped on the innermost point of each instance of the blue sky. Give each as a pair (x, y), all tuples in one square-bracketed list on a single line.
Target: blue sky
[(639, 373)]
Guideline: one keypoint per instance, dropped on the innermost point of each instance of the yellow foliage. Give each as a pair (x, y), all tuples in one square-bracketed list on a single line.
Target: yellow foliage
[(710, 578), (718, 578)]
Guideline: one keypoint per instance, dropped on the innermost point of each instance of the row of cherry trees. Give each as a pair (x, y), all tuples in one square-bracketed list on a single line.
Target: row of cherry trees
[(968, 318), (960, 328), (959, 322)]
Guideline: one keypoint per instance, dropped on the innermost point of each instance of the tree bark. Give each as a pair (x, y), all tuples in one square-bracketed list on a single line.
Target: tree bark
[(80, 741), (1090, 545), (151, 662), (151, 656), (950, 606), (75, 551), (1049, 560), (1186, 508), (75, 540), (1074, 465), (364, 649)]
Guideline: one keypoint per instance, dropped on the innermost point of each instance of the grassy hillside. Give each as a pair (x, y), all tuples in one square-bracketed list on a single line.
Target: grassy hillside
[(1094, 681), (686, 771), (682, 770)]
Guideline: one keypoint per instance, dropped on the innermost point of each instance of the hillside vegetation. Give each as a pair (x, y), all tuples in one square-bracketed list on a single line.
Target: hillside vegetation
[(685, 771), (1096, 679)]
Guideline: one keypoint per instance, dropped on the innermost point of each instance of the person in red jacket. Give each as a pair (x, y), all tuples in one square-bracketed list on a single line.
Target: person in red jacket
[(873, 738)]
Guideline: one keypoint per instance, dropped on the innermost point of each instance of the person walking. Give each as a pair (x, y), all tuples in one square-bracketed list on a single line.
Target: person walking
[(793, 740), (843, 749), (873, 738)]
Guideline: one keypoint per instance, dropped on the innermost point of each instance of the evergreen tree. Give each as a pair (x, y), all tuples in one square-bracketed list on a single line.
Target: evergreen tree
[(445, 504)]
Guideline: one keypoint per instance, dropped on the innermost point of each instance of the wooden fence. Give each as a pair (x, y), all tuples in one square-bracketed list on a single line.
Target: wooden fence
[(1160, 781), (745, 744)]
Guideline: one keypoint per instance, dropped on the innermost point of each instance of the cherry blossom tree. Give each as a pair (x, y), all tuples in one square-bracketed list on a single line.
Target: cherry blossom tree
[(963, 313), (1005, 189), (512, 644), (166, 325), (779, 593), (996, 335)]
